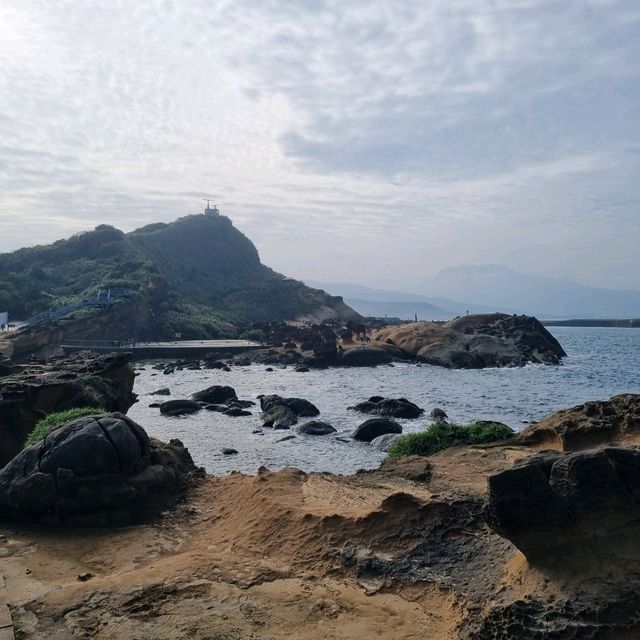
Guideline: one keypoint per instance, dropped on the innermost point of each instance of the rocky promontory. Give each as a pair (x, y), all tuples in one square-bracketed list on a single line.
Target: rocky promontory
[(31, 392), (474, 341)]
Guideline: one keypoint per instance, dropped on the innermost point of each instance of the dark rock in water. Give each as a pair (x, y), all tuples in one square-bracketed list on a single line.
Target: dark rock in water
[(279, 417), (164, 391), (302, 408), (236, 412), (95, 471), (217, 394), (241, 362), (269, 369), (301, 369), (395, 407), (364, 357), (315, 428), (228, 451), (169, 370), (214, 364), (64, 382), (386, 441), (179, 407), (286, 438), (375, 427), (438, 414), (154, 405), (554, 503)]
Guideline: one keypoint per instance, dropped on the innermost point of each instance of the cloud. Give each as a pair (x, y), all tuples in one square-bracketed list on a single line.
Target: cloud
[(412, 135)]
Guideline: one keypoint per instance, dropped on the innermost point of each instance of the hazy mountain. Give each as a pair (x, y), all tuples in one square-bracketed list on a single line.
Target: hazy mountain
[(499, 286), (398, 304)]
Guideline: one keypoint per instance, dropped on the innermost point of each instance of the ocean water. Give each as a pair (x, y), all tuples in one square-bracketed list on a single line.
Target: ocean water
[(601, 362)]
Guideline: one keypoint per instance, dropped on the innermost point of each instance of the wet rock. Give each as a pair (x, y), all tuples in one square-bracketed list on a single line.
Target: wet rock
[(278, 417), (236, 412), (228, 451), (299, 406), (438, 414), (394, 407), (315, 428), (154, 405), (386, 441), (301, 369), (95, 471), (375, 427), (163, 391), (364, 357), (179, 407), (286, 438), (217, 394)]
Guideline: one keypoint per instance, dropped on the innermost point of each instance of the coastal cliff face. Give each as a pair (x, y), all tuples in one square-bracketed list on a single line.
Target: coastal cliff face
[(81, 380), (474, 341), (198, 276), (465, 544)]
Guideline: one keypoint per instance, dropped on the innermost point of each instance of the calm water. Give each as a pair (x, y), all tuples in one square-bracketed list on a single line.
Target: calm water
[(602, 362)]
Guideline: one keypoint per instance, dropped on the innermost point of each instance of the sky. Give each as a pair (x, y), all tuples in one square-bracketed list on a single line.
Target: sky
[(351, 141)]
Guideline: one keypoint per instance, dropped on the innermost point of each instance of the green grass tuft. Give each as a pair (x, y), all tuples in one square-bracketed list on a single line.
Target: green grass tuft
[(56, 420), (442, 435)]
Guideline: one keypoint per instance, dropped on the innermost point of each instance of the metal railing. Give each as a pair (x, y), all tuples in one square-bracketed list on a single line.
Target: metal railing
[(104, 298)]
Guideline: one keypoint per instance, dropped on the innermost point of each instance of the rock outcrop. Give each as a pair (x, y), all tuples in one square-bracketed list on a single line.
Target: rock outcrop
[(588, 425), (80, 380), (375, 427), (96, 471), (394, 407), (553, 504), (315, 428), (301, 407), (475, 341)]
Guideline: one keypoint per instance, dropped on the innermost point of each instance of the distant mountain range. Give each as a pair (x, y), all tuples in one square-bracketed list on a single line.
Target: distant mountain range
[(489, 288), (398, 304)]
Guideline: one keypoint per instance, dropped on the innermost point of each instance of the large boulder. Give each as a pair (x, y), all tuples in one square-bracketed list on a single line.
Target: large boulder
[(553, 503), (95, 471), (179, 407), (475, 341), (375, 427), (302, 408), (65, 382), (394, 407), (217, 394), (364, 357), (316, 428)]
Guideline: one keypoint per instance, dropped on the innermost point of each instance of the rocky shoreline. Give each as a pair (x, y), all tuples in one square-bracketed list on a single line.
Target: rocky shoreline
[(533, 537)]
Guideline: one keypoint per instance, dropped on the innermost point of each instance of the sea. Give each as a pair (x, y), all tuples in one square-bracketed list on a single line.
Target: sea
[(601, 362)]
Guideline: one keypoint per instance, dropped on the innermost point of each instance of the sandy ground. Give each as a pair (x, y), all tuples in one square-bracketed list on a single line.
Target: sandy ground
[(278, 555)]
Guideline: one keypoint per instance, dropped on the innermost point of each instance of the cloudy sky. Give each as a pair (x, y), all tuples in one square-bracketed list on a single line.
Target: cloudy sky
[(361, 141)]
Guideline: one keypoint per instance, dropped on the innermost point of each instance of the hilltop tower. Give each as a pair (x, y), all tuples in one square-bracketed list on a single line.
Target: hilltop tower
[(209, 210)]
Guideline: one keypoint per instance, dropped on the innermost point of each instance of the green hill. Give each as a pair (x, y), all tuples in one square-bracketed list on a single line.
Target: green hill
[(198, 275)]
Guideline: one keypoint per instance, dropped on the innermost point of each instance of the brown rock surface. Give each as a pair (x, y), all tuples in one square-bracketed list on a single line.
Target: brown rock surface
[(475, 341), (587, 425), (397, 553)]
